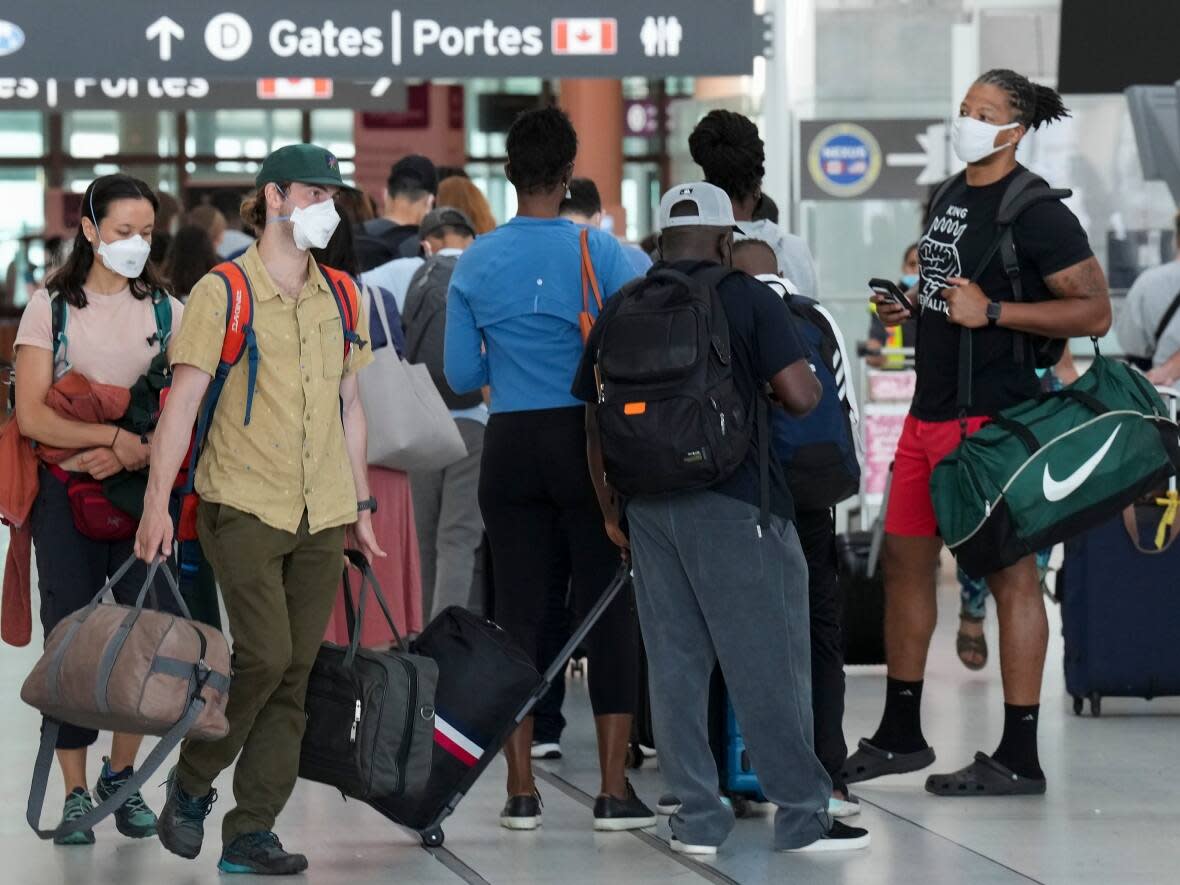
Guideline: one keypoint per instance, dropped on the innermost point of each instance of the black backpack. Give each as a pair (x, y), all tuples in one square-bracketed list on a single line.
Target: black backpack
[(424, 319), (669, 415), (1026, 190)]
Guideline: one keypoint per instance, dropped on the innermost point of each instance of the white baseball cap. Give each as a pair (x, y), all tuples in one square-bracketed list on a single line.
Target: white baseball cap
[(713, 205)]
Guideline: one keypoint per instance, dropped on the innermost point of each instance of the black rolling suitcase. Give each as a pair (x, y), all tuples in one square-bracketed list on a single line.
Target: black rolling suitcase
[(863, 596), (486, 686)]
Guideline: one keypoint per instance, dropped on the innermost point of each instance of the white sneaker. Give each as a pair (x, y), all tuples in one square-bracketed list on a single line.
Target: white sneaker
[(546, 750), (669, 803), (697, 850), (843, 808), (840, 837), (647, 752)]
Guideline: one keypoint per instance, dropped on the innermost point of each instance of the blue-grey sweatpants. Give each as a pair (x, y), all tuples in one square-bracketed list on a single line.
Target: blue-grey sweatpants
[(709, 589)]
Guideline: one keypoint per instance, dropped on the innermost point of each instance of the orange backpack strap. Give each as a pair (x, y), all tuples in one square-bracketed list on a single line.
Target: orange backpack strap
[(239, 338), (589, 284), (348, 302)]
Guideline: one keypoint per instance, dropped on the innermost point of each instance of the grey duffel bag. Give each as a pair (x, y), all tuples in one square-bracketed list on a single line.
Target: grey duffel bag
[(130, 669)]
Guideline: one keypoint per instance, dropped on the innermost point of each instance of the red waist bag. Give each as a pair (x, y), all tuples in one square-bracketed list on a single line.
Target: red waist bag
[(95, 517)]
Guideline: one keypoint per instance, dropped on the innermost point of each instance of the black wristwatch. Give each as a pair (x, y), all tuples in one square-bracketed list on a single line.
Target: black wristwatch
[(370, 504), (993, 313)]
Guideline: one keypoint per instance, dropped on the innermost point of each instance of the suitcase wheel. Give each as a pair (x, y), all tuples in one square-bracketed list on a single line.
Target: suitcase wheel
[(1078, 703), (741, 807), (1095, 705), (433, 838)]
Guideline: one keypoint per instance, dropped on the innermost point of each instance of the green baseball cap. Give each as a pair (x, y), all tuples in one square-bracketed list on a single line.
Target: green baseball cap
[(304, 163)]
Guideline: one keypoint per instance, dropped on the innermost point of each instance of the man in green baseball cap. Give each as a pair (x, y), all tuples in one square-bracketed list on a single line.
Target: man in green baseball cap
[(304, 163), (278, 491)]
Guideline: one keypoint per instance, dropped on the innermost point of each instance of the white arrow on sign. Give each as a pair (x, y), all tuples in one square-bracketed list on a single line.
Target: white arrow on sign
[(167, 30), (931, 160)]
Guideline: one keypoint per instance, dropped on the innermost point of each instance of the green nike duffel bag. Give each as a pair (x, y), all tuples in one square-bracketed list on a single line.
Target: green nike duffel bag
[(1051, 468)]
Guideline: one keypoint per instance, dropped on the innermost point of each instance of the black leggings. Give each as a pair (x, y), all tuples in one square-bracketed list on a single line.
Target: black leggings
[(547, 534)]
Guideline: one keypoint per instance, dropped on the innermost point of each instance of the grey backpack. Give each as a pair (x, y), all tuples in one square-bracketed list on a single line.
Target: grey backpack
[(425, 320)]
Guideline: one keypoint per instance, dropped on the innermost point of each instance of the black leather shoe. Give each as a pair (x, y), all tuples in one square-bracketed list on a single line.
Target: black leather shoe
[(613, 815), (522, 812)]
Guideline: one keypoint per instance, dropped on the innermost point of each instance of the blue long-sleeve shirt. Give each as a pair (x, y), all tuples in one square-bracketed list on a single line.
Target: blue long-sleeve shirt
[(512, 311)]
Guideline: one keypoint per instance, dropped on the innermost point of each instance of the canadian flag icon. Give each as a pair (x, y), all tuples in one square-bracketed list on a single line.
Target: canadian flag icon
[(585, 36), (288, 88)]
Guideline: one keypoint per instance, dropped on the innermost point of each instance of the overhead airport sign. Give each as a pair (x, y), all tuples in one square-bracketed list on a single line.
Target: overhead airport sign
[(195, 93), (871, 159), (358, 39)]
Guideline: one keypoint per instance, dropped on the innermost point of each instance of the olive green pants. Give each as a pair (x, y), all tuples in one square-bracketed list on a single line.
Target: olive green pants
[(279, 589)]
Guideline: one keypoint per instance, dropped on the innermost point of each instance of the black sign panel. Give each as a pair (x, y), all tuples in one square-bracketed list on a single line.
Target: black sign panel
[(183, 93), (358, 39), (871, 159), (1107, 46)]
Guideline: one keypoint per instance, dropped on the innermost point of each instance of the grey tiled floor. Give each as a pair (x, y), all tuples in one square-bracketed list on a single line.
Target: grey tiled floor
[(1112, 814)]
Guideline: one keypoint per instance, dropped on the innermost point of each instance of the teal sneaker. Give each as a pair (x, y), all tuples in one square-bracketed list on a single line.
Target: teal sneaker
[(133, 818), (261, 854), (77, 804)]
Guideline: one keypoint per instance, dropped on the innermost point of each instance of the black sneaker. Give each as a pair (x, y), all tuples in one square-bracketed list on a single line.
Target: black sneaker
[(133, 818), (840, 837), (522, 812), (261, 854), (181, 826), (613, 815)]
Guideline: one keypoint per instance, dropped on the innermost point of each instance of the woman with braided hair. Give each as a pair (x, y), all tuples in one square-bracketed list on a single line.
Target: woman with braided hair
[(731, 153), (963, 284)]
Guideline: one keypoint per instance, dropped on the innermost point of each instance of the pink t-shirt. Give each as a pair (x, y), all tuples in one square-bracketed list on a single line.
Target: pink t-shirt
[(107, 340)]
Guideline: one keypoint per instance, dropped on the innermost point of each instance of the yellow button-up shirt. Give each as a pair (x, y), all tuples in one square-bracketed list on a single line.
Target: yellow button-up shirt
[(291, 457)]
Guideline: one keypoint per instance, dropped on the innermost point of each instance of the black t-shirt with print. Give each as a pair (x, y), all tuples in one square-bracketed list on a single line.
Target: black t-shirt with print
[(764, 341), (1048, 239)]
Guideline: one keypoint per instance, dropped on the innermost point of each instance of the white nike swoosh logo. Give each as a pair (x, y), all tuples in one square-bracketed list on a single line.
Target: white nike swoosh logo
[(1060, 490)]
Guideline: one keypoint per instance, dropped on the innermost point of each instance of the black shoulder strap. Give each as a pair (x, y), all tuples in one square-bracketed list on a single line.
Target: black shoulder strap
[(1167, 319), (1025, 191), (941, 192)]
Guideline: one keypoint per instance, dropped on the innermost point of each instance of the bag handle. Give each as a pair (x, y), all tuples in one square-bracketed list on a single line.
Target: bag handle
[(1163, 537), (368, 582), (153, 568), (589, 283), (379, 306), (154, 760)]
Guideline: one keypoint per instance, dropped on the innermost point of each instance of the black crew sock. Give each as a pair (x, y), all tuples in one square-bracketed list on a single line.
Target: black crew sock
[(1018, 746), (901, 724)]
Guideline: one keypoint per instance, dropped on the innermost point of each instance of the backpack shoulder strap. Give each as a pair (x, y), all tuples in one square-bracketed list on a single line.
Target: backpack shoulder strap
[(942, 192), (1166, 320), (239, 338), (59, 314), (162, 310), (348, 302)]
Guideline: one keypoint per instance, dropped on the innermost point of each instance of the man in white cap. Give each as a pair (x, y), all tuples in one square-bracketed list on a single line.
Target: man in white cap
[(712, 585)]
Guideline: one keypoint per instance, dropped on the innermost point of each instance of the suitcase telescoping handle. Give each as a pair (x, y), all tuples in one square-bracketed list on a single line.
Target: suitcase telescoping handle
[(621, 579)]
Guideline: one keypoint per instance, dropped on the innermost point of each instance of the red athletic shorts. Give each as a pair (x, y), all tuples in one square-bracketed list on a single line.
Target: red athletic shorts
[(922, 445)]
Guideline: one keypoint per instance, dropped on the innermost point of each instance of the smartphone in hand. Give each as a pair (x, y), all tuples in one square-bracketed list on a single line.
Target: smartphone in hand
[(888, 289)]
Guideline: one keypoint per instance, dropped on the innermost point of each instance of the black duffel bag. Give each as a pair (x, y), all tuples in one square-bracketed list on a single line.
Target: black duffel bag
[(370, 714), (485, 686)]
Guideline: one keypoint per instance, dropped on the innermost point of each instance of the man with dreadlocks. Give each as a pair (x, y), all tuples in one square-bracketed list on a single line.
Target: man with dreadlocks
[(1064, 295)]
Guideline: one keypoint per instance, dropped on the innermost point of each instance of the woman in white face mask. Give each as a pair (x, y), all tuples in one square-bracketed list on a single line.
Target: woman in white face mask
[(1057, 291), (100, 316)]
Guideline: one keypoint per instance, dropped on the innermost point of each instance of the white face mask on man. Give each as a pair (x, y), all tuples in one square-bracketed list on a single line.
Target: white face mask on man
[(974, 140), (313, 225)]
